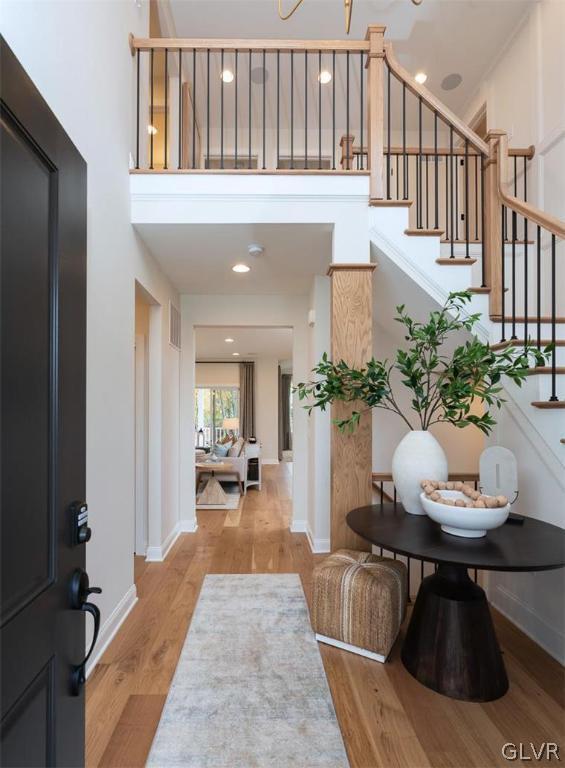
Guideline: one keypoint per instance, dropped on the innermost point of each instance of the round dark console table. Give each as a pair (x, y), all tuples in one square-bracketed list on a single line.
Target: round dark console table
[(450, 644)]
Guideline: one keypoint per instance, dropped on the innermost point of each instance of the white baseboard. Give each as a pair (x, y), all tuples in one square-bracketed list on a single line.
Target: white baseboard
[(318, 546), (270, 461), (111, 626), (158, 554), (528, 621), (299, 526), (351, 648)]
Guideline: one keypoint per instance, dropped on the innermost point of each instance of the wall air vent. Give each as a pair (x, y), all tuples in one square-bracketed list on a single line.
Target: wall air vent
[(174, 326)]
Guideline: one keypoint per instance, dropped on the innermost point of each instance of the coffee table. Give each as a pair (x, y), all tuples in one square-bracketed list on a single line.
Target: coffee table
[(450, 644), (213, 493)]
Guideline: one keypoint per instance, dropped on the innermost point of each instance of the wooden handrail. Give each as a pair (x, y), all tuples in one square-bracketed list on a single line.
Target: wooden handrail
[(227, 45), (550, 223), (433, 103), (527, 152)]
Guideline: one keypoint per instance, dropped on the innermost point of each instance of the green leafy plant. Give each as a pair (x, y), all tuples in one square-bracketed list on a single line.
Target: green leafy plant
[(443, 386)]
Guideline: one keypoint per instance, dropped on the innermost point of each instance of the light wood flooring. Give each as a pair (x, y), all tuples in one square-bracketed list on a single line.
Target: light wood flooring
[(387, 718)]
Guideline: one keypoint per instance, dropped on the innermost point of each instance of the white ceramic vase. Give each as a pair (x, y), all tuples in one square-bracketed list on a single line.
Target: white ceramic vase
[(417, 457)]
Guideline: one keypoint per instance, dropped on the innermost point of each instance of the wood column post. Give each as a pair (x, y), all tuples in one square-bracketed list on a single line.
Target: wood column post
[(375, 96), (351, 453), (346, 144), (492, 235)]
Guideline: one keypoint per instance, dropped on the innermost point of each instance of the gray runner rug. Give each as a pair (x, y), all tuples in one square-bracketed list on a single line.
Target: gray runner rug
[(250, 689)]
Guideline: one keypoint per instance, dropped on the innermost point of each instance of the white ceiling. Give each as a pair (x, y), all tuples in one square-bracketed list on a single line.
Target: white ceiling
[(198, 258), (439, 36), (251, 343)]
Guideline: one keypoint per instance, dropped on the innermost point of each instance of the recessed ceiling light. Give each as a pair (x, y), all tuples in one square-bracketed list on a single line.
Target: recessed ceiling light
[(420, 77), (228, 341), (235, 354), (241, 268), (227, 76), (151, 130), (325, 77)]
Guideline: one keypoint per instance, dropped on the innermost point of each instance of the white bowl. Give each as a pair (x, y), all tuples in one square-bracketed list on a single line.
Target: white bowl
[(470, 522)]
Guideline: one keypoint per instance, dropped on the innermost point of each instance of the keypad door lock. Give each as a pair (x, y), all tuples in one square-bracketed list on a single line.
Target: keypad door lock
[(80, 532)]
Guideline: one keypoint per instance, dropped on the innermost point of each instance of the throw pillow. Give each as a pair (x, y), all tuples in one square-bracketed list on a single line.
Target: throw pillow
[(221, 450), (235, 450)]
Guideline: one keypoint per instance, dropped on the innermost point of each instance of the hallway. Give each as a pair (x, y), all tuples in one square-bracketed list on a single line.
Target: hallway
[(387, 718)]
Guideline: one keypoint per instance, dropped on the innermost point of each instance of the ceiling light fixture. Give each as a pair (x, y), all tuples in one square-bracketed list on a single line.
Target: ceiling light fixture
[(235, 354), (228, 341), (151, 130), (420, 77), (255, 249), (347, 7), (227, 76), (325, 77), (240, 268)]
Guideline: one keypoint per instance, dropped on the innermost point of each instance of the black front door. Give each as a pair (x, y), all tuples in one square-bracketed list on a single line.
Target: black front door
[(43, 345)]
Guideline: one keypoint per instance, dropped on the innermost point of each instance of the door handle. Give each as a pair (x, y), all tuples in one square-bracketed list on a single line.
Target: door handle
[(80, 590)]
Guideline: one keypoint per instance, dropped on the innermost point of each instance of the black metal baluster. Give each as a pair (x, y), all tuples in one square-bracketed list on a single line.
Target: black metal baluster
[(249, 115), (525, 192), (514, 219), (152, 124), (333, 110), (538, 291), (388, 134), (553, 397), (419, 172), (405, 169), (137, 114), (397, 177), (320, 110), (503, 281), (208, 108), (483, 265), (452, 209), (222, 109), (278, 108), (456, 180), (264, 110), (447, 213), (236, 63), (166, 107), (436, 175), (180, 108), (525, 281), (292, 109), (361, 74), (193, 107), (467, 256), (476, 198), (347, 109), (305, 109), (426, 161)]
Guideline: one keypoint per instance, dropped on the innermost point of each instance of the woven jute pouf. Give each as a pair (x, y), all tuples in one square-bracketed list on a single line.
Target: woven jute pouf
[(359, 602)]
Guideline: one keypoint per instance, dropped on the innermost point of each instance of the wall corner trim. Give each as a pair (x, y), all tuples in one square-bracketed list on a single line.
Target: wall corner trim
[(111, 626), (158, 554)]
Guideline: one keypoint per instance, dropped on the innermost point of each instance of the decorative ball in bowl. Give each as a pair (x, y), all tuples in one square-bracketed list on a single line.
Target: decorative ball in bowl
[(462, 511)]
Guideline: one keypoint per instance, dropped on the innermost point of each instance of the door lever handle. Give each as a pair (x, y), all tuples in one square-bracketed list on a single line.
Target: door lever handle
[(80, 590)]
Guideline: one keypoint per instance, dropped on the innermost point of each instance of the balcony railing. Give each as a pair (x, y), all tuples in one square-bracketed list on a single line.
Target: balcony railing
[(348, 107)]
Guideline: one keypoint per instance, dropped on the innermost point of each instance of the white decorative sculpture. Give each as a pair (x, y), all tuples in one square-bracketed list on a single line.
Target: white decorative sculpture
[(498, 473)]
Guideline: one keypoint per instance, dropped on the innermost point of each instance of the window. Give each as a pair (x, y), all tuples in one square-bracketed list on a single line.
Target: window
[(211, 407)]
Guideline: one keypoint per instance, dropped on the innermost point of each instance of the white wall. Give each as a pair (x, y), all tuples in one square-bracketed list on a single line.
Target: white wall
[(275, 311), (267, 407), (217, 375), (77, 54)]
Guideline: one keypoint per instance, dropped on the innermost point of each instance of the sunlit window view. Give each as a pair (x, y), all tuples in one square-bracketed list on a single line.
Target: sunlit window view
[(213, 410)]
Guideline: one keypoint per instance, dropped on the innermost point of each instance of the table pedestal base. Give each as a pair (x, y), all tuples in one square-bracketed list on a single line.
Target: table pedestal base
[(450, 644)]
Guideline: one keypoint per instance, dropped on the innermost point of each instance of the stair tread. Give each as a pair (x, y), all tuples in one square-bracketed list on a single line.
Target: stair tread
[(377, 203), (424, 232), (521, 342), (548, 404), (545, 369), (456, 262), (531, 320)]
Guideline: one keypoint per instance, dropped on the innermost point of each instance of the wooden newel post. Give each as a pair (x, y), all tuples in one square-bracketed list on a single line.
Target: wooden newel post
[(351, 453), (346, 144), (493, 226), (375, 95)]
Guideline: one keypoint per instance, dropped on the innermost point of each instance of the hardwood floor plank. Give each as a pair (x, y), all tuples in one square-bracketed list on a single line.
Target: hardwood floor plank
[(388, 720)]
